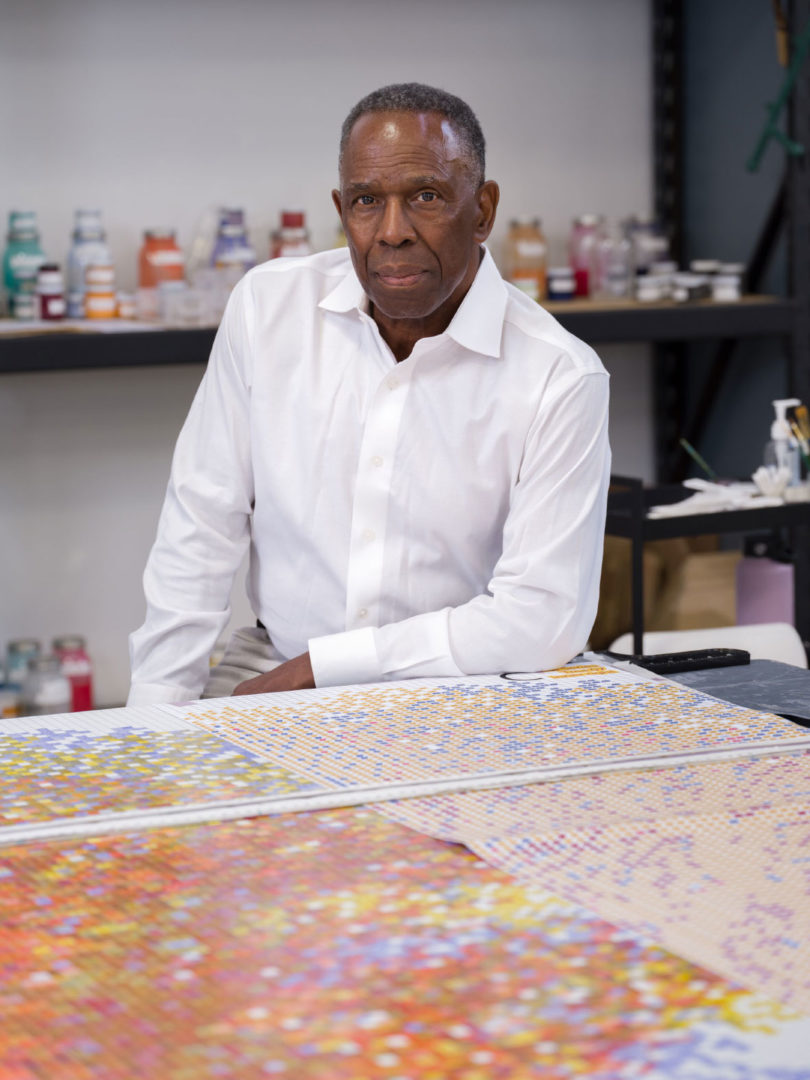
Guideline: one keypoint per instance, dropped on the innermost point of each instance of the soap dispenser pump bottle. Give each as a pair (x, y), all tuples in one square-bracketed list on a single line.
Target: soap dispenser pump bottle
[(783, 450)]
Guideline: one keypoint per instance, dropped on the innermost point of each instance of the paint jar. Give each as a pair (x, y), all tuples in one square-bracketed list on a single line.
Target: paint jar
[(45, 690), (51, 292), (99, 295), (160, 259), (525, 257), (727, 283), (561, 283), (89, 248), (614, 264), (231, 246), (77, 669), (292, 237), (23, 256), (650, 289), (18, 653), (648, 243), (582, 247)]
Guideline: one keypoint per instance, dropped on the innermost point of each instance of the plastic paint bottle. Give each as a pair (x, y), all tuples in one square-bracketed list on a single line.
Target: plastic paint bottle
[(23, 255), (89, 247), (232, 249), (585, 233), (526, 254), (77, 669), (50, 290)]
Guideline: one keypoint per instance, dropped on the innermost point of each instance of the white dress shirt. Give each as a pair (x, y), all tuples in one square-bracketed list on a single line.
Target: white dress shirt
[(439, 516)]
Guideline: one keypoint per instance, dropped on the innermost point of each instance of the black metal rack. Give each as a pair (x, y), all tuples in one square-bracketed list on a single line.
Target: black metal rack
[(592, 321), (629, 501)]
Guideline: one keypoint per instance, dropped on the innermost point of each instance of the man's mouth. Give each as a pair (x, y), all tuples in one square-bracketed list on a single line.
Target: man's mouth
[(399, 277)]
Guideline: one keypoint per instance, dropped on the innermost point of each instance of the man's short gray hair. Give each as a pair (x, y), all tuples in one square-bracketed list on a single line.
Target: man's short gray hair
[(418, 98)]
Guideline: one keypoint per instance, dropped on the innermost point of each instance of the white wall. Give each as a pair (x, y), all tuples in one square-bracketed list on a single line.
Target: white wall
[(155, 112)]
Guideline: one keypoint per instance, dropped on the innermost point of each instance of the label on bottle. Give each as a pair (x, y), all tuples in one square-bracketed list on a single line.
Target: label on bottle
[(99, 306), (528, 283), (165, 258), (530, 249)]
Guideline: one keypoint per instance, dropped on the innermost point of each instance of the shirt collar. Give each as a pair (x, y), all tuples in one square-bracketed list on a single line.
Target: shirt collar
[(478, 323)]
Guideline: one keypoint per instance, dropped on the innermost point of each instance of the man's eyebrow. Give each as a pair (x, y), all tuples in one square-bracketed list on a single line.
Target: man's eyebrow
[(412, 181)]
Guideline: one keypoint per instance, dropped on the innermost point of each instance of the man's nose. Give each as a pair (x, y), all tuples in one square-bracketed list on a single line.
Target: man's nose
[(395, 226)]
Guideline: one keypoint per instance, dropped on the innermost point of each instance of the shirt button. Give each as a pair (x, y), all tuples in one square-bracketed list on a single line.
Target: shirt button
[(393, 382), (377, 461), (369, 534), (361, 614)]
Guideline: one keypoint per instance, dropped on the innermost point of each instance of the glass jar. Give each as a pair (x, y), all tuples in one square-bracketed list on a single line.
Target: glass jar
[(292, 237), (648, 243), (45, 690), (99, 295), (614, 264), (18, 653), (77, 669), (561, 284), (232, 248), (525, 257), (585, 232), (51, 292), (160, 259)]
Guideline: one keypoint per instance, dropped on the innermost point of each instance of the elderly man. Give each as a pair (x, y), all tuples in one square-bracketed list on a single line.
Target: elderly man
[(415, 452)]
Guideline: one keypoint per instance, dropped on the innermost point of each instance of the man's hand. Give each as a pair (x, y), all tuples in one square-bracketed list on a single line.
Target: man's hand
[(295, 674)]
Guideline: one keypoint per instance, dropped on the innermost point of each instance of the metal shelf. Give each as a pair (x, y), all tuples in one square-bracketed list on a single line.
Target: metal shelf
[(597, 323), (628, 502)]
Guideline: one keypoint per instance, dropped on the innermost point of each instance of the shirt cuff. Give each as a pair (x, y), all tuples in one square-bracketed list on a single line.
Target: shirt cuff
[(342, 659), (159, 694)]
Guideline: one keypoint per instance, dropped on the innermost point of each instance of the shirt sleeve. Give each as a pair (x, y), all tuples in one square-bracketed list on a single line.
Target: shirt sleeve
[(540, 604), (204, 526)]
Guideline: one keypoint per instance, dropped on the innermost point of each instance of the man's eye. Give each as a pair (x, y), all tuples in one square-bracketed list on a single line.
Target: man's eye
[(427, 196), (365, 200)]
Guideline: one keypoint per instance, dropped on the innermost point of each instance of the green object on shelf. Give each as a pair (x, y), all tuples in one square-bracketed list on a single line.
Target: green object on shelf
[(692, 452), (771, 130)]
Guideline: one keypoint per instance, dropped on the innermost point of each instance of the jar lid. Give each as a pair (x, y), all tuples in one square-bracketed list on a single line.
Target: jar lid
[(704, 266), (45, 663), (24, 645), (525, 220), (731, 268), (68, 643), (22, 221), (292, 219), (560, 271), (588, 221), (159, 234)]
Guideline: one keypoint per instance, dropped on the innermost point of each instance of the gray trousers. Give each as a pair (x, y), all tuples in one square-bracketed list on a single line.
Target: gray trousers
[(248, 653)]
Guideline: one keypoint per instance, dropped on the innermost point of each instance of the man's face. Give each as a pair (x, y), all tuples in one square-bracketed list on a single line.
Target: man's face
[(412, 213)]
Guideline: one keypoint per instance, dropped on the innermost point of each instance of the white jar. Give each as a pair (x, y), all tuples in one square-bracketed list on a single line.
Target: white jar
[(45, 690)]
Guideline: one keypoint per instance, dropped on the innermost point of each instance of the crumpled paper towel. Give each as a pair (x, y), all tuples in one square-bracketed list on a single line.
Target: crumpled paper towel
[(709, 498)]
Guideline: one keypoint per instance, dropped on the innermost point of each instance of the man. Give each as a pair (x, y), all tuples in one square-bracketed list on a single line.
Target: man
[(415, 453)]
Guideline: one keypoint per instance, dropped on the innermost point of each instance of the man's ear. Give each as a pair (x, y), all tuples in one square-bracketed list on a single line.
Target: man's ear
[(338, 203), (487, 197)]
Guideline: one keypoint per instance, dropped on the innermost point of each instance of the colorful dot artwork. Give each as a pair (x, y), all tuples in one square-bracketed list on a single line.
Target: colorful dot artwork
[(709, 863), (101, 764), (401, 732), (340, 946)]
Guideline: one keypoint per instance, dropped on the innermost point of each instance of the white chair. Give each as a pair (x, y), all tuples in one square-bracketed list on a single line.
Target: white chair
[(764, 641)]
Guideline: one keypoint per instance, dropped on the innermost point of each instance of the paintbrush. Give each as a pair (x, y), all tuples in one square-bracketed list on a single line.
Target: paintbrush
[(803, 420), (695, 456)]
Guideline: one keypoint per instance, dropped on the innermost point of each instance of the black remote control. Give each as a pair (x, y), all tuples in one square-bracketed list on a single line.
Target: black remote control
[(691, 660)]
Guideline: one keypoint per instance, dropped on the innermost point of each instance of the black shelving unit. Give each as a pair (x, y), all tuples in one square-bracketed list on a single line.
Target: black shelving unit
[(629, 501), (593, 322)]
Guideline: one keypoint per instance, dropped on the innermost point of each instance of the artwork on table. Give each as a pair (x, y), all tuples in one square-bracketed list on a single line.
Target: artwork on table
[(340, 945)]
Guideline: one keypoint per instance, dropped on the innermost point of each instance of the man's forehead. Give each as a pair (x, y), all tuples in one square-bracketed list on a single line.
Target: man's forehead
[(431, 132)]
